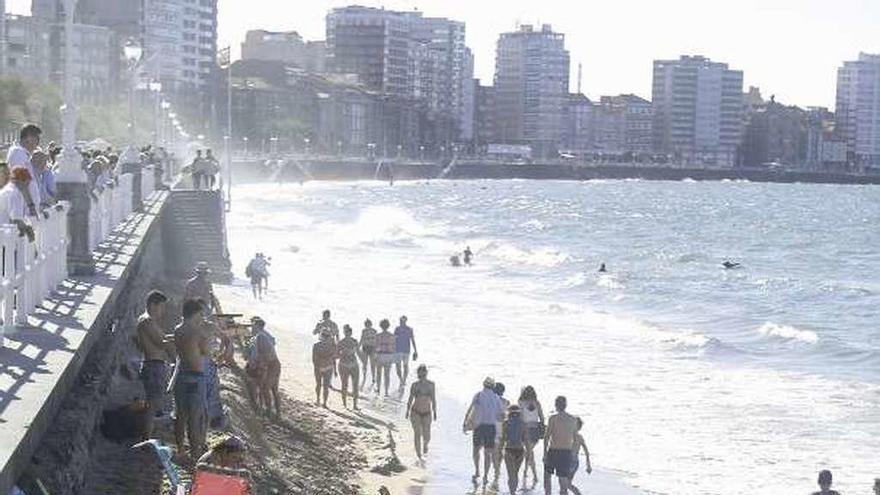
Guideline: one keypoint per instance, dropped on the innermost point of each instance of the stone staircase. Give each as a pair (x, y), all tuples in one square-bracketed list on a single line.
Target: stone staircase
[(194, 230)]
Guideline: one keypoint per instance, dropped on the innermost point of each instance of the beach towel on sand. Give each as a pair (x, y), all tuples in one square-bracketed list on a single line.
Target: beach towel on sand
[(208, 483)]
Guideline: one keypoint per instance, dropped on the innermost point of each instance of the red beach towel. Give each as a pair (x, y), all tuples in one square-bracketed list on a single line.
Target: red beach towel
[(208, 483)]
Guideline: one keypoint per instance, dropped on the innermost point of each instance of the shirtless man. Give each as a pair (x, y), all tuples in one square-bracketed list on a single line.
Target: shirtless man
[(368, 353), (190, 391), (421, 407), (199, 287), (324, 359), (405, 342), (329, 324), (265, 367), (559, 443), (158, 351), (385, 353), (349, 366)]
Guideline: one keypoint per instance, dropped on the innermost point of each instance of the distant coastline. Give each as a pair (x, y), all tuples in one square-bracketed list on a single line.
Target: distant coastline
[(324, 169)]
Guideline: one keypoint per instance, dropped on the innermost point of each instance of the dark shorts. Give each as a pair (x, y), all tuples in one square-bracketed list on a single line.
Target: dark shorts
[(484, 436), (190, 395), (153, 377), (515, 455), (533, 430), (559, 462)]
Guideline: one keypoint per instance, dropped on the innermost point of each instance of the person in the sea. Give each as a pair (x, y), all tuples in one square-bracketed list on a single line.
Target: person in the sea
[(825, 479), (602, 268), (729, 265), (579, 444), (158, 351), (454, 260), (368, 353), (385, 355), (533, 417), (481, 417), (326, 323), (558, 447), (467, 255), (405, 342), (497, 456), (876, 486), (421, 408), (349, 368), (190, 388), (324, 354), (264, 367), (514, 434)]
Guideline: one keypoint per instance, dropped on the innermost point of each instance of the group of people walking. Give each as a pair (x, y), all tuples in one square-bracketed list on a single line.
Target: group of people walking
[(204, 170), (508, 432), (351, 359)]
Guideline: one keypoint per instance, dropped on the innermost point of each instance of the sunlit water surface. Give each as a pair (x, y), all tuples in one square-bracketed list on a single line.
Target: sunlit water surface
[(691, 379)]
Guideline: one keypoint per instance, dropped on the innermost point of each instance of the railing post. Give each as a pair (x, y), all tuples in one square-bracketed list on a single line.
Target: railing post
[(81, 222)]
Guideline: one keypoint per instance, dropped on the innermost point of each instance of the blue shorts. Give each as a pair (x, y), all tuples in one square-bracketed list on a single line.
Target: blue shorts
[(484, 436), (558, 461)]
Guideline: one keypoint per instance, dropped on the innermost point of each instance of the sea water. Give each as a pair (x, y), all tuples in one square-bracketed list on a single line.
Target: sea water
[(691, 379)]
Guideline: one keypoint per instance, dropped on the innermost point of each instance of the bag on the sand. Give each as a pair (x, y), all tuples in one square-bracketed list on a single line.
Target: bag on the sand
[(208, 483), (249, 271)]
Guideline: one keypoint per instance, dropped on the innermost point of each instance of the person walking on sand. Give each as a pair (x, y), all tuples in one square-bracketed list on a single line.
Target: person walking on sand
[(190, 386), (579, 443), (349, 367), (264, 367), (513, 445), (405, 342), (324, 355), (558, 447), (533, 417), (157, 351), (368, 353), (421, 407), (485, 410), (200, 287), (326, 323), (499, 389), (825, 483), (385, 344)]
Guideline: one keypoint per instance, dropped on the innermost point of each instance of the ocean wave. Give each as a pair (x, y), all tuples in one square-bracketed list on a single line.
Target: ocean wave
[(788, 332), (535, 225), (575, 280), (543, 257), (609, 282), (386, 225)]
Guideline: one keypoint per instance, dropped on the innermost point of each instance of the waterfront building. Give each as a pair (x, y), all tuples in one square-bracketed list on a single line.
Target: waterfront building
[(578, 131), (858, 109), (623, 124), (698, 108), (531, 88), (405, 55), (776, 135), (484, 115)]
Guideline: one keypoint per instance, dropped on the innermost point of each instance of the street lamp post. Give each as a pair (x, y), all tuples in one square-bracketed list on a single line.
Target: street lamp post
[(132, 52), (156, 90)]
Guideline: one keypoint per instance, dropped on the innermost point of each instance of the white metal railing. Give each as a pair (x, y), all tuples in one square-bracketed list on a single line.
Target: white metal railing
[(29, 271), (109, 207)]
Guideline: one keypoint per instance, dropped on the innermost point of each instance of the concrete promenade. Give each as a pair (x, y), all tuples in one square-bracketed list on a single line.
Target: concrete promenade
[(42, 361)]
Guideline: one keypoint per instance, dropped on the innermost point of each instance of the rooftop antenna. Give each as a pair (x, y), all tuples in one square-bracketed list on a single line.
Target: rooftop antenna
[(580, 76)]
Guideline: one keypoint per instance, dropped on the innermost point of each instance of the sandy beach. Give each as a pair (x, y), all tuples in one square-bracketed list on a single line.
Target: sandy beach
[(379, 443)]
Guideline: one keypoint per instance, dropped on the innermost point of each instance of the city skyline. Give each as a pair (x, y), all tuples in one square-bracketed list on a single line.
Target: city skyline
[(757, 37)]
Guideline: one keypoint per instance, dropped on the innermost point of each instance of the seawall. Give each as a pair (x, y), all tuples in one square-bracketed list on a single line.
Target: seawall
[(57, 374), (250, 170)]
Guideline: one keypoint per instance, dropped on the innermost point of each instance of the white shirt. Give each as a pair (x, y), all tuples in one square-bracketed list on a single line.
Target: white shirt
[(18, 156), (12, 204), (487, 407)]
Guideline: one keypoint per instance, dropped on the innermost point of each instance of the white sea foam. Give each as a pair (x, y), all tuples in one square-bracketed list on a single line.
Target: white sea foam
[(787, 332), (543, 257)]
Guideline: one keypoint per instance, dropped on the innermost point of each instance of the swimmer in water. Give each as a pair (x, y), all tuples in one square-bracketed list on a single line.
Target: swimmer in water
[(468, 254), (602, 268), (455, 260), (728, 265)]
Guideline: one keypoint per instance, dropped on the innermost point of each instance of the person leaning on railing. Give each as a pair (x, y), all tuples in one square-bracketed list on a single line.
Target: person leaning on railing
[(13, 209)]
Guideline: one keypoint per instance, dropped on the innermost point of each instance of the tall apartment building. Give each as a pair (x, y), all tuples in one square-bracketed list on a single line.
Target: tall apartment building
[(26, 48), (484, 114), (698, 110), (531, 86), (402, 54), (578, 133), (858, 108)]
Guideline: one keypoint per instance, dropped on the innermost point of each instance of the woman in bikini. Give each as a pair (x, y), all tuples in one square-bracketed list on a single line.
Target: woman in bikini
[(324, 359), (421, 408), (533, 417), (385, 353), (368, 353), (348, 366)]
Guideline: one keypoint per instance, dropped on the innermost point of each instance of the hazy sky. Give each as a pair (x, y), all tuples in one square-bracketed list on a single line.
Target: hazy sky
[(790, 48)]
